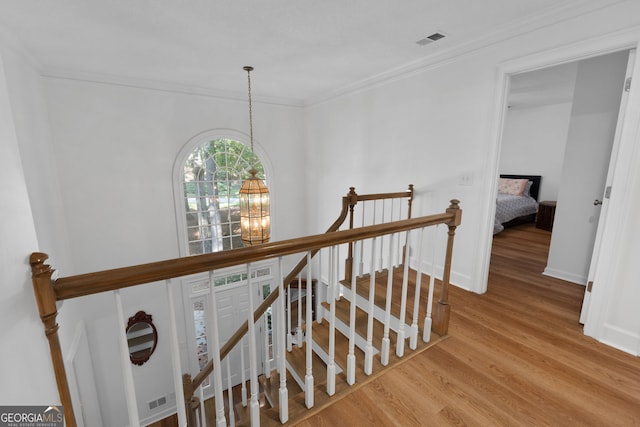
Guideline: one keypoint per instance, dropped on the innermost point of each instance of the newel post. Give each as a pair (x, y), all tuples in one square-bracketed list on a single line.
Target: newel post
[(45, 293), (443, 309), (410, 201), (352, 200)]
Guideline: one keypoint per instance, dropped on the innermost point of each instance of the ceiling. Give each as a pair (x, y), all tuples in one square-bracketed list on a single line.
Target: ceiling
[(302, 50), (547, 86)]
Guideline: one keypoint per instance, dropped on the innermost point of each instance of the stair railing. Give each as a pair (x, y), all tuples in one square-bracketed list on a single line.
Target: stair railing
[(349, 202), (49, 291), (385, 207)]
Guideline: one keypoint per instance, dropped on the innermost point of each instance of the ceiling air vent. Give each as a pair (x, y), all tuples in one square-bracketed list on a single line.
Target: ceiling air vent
[(430, 39)]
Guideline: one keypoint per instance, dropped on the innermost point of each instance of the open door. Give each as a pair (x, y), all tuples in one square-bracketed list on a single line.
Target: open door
[(603, 200)]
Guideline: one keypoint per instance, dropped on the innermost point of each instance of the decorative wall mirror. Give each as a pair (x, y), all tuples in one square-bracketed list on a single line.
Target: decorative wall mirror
[(142, 337)]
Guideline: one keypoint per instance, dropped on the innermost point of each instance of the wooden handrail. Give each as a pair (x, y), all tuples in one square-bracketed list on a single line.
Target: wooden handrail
[(119, 278), (380, 196)]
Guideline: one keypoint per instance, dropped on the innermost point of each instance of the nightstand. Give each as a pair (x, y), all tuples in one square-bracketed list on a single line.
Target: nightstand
[(546, 214)]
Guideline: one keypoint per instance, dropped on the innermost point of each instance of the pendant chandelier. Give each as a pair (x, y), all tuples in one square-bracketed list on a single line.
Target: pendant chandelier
[(255, 220)]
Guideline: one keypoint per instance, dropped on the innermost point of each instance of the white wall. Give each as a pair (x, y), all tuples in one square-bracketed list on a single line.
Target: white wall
[(425, 130), (594, 114), (115, 147), (26, 370), (533, 143)]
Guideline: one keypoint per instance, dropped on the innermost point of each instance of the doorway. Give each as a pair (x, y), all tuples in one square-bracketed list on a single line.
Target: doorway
[(613, 287), (560, 123)]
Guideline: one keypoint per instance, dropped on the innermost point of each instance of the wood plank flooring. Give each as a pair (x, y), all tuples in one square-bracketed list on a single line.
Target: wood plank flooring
[(514, 356)]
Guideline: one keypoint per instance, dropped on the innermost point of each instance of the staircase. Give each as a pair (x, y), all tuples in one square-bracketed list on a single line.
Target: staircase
[(321, 331), (308, 387)]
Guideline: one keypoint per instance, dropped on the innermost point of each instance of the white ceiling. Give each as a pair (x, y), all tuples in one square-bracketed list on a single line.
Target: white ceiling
[(302, 50), (552, 85)]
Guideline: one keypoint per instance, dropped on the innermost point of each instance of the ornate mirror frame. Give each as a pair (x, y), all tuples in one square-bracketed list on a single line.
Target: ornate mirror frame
[(142, 337)]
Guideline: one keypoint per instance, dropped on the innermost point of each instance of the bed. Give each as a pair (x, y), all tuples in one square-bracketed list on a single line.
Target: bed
[(517, 200)]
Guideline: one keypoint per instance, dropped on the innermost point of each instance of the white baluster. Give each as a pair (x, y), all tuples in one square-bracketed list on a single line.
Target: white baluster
[(299, 331), (338, 288), (333, 284), (175, 357), (243, 389), (386, 343), (129, 387), (319, 309), (426, 332), (254, 406), (361, 260), (413, 338), (289, 330), (267, 362), (232, 411), (403, 301), (399, 249), (276, 321), (203, 415), (351, 357), (380, 260), (214, 345), (283, 392), (308, 379), (368, 352)]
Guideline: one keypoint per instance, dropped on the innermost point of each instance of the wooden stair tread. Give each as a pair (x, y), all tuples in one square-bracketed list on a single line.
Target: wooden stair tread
[(271, 385), (297, 360), (363, 284), (321, 337), (343, 308)]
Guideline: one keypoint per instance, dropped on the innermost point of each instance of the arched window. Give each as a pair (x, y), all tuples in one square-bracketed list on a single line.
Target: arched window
[(212, 175)]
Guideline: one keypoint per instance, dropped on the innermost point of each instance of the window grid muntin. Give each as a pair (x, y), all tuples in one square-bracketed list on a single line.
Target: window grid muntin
[(211, 187)]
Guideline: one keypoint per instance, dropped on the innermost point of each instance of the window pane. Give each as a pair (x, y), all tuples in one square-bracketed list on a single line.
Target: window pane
[(213, 176), (195, 248), (200, 322)]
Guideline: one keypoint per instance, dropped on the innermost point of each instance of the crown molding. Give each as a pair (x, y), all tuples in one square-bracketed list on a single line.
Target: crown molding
[(551, 16), (163, 86)]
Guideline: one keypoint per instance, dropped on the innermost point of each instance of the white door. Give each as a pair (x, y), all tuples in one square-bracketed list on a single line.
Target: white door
[(602, 201), (233, 306), (232, 302)]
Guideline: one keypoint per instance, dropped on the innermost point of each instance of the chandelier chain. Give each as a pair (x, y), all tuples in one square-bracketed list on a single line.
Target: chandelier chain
[(249, 69)]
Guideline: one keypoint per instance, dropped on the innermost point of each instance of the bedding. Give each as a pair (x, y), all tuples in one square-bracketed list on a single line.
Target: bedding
[(516, 201), (510, 207)]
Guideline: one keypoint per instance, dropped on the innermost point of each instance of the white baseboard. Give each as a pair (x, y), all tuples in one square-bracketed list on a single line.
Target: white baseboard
[(624, 340), (566, 276)]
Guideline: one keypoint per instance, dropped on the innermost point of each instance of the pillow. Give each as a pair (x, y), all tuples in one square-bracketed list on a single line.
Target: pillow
[(527, 189), (514, 187)]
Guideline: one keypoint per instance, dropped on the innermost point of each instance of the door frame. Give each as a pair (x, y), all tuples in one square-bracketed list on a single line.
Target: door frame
[(623, 40)]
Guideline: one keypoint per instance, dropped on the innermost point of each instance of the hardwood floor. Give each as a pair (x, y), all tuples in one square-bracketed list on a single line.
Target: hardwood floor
[(514, 356)]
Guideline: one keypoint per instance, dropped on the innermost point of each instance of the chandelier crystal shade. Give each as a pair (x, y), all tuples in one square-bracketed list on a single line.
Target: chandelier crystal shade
[(255, 219)]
